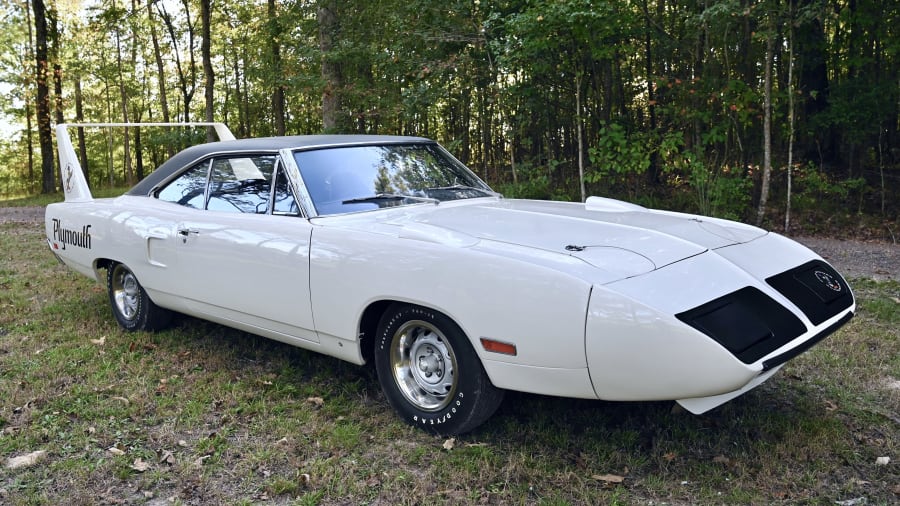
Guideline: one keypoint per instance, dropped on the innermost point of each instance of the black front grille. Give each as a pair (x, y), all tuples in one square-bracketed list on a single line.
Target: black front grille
[(816, 288), (748, 323)]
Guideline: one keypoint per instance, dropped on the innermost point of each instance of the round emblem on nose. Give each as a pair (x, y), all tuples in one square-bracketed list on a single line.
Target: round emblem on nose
[(828, 280)]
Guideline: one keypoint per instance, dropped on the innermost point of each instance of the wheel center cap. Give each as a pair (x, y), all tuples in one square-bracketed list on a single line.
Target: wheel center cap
[(429, 364)]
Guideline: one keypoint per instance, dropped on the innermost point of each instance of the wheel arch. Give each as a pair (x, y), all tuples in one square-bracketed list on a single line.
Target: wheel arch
[(368, 327), (102, 264), (371, 315)]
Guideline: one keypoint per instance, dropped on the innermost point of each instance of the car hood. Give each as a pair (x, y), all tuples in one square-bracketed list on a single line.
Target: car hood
[(600, 241), (622, 239)]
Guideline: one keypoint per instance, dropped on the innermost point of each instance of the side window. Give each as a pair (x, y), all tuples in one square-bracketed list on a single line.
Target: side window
[(284, 202), (241, 185), (189, 189), (236, 184)]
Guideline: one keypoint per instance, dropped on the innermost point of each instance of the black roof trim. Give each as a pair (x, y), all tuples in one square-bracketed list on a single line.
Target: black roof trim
[(196, 153)]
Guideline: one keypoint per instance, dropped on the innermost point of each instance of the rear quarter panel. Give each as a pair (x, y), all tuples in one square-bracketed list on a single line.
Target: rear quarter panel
[(78, 232)]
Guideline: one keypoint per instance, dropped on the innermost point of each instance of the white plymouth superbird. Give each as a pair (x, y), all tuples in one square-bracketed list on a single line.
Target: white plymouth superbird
[(387, 250)]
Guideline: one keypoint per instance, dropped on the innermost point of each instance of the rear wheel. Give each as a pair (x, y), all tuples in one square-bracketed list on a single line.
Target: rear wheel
[(429, 372), (131, 306)]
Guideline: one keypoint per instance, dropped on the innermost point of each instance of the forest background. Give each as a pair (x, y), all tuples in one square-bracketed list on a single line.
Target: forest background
[(780, 112)]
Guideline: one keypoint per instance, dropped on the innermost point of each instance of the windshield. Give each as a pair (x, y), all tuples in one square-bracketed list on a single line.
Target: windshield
[(360, 178)]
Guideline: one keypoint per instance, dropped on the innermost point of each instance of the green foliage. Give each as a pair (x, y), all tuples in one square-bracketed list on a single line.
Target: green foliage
[(618, 154), (717, 190), (498, 82), (534, 183)]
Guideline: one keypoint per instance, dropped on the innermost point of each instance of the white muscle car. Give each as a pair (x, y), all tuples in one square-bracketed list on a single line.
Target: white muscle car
[(387, 250)]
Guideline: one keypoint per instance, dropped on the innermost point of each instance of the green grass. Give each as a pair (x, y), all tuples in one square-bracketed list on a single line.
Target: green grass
[(49, 198), (223, 417)]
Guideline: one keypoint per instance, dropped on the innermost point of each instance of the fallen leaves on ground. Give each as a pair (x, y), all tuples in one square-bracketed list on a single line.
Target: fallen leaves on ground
[(167, 458), (612, 479), (140, 465), (448, 444), (26, 460), (123, 400)]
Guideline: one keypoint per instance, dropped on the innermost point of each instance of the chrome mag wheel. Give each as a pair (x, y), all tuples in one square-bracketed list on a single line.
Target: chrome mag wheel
[(126, 292), (423, 365)]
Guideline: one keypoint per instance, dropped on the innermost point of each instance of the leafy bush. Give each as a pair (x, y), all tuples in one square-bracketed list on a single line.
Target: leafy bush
[(620, 157), (533, 182)]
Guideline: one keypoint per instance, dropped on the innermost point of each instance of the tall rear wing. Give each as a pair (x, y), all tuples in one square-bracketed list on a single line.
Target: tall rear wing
[(74, 184)]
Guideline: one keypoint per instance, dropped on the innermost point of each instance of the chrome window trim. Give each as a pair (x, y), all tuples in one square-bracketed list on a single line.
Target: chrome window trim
[(208, 157), (300, 191)]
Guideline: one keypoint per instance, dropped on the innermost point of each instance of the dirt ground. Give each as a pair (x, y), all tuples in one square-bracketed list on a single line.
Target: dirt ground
[(853, 258)]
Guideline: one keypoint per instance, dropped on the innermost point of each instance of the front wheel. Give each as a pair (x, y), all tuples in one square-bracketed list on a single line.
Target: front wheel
[(131, 306), (429, 372)]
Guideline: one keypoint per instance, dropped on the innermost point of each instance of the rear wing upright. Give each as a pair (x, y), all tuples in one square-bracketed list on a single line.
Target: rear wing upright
[(75, 187)]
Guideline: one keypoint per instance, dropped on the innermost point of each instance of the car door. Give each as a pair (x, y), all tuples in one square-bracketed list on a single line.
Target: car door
[(243, 250)]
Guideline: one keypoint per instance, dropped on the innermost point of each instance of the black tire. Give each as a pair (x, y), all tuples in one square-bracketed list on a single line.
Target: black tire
[(131, 306), (429, 372)]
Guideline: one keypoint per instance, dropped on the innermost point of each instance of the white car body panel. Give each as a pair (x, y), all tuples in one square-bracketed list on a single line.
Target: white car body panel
[(592, 295)]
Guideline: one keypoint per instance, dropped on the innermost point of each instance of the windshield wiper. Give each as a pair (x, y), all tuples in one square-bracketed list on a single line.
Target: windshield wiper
[(390, 196), (464, 187)]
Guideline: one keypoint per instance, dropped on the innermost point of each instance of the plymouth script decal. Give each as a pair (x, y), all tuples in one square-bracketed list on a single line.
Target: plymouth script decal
[(64, 236)]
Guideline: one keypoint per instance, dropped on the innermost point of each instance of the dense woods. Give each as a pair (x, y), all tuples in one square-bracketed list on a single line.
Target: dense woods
[(739, 108)]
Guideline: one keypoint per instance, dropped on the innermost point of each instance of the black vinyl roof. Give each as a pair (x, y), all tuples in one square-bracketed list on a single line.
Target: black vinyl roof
[(196, 153)]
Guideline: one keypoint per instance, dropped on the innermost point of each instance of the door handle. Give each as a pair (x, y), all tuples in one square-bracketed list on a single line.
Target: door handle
[(185, 232)]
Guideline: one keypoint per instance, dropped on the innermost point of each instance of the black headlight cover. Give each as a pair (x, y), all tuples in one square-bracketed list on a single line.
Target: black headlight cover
[(816, 288), (747, 322)]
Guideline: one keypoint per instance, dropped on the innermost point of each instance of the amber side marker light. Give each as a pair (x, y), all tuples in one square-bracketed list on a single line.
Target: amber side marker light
[(498, 346)]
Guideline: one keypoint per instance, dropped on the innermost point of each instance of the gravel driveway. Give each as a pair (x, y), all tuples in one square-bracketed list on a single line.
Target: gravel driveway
[(854, 259)]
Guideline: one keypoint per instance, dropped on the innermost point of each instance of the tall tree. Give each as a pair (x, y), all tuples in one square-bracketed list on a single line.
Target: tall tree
[(123, 96), (331, 70), (206, 56), (767, 124), (79, 118), (187, 78), (160, 74), (48, 183), (274, 30)]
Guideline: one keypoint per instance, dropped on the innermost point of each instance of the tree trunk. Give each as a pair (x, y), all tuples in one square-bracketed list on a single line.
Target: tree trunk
[(123, 95), (653, 171), (79, 118), (767, 129), (138, 153), (48, 181), (790, 89), (54, 37), (186, 85), (239, 96), (160, 76), (580, 142), (278, 87), (331, 71), (245, 102), (209, 89)]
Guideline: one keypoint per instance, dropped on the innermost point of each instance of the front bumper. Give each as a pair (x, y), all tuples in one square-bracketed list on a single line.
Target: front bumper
[(708, 329)]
